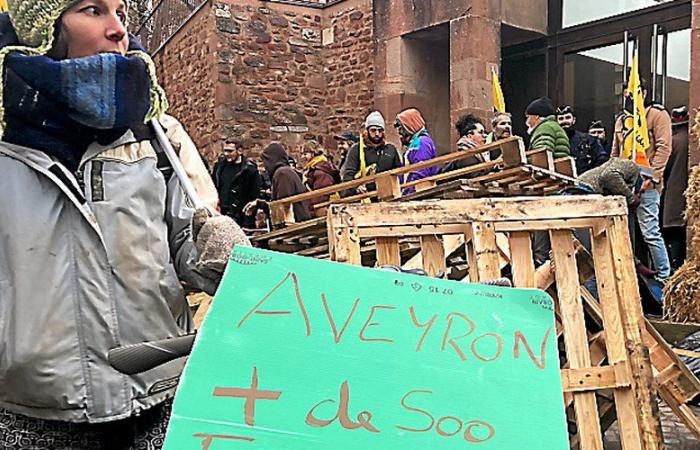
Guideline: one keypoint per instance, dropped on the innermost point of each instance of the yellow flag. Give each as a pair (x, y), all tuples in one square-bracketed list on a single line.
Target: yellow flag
[(635, 127), (499, 102), (3, 6)]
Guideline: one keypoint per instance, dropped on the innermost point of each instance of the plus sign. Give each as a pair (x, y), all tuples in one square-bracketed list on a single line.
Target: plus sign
[(251, 396)]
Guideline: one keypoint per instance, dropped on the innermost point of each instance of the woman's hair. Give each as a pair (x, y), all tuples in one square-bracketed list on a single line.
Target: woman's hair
[(467, 123), (59, 50)]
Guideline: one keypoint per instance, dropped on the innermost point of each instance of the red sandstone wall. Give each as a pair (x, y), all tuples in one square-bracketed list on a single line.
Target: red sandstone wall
[(262, 72), (349, 67), (270, 73), (187, 71)]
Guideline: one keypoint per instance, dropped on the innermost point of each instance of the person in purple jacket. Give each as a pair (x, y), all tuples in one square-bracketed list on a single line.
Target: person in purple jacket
[(418, 143)]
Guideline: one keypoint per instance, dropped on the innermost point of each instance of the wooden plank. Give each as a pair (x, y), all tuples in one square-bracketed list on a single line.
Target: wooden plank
[(343, 236), (282, 214), (575, 338), (485, 249), (595, 378), (632, 320), (522, 262), (488, 210), (566, 166), (609, 311), (411, 230), (544, 160), (388, 187), (450, 243), (388, 251), (433, 255), (682, 411), (202, 311)]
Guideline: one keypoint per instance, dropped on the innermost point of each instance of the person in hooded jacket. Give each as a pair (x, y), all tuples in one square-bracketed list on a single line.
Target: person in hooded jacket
[(419, 145), (97, 234), (319, 172), (285, 179)]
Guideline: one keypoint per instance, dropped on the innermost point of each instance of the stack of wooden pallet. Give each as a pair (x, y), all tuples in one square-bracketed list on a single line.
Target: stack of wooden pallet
[(515, 172), (614, 362)]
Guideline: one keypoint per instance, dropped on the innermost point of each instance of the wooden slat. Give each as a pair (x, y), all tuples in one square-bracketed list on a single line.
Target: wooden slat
[(625, 401), (388, 251), (632, 319), (522, 262), (486, 253), (433, 255), (488, 210), (575, 338), (595, 378), (343, 237)]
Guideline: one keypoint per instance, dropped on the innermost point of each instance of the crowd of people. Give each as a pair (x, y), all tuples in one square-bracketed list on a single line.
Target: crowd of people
[(97, 237), (654, 193)]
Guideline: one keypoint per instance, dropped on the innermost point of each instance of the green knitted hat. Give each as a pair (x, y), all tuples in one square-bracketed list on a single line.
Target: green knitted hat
[(35, 21)]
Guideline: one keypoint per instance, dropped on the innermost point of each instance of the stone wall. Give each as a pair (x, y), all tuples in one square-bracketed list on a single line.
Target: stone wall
[(187, 72), (265, 71), (348, 52), (270, 74)]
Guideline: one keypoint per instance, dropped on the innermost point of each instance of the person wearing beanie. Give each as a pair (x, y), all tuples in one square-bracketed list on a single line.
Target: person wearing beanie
[(418, 144), (597, 130), (96, 232), (544, 130), (371, 155), (343, 142)]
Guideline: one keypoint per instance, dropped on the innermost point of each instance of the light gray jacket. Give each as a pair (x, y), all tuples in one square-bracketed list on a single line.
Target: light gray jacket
[(89, 263)]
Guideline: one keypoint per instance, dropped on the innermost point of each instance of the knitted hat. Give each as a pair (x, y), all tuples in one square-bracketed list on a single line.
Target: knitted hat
[(542, 107), (34, 22), (375, 119)]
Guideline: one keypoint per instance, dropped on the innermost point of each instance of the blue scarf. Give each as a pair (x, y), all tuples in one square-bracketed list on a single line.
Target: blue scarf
[(61, 107)]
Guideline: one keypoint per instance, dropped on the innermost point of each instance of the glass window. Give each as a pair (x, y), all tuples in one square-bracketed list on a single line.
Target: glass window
[(677, 69), (576, 12), (593, 84)]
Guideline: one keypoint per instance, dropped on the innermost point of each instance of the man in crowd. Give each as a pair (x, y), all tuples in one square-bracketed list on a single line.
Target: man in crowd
[(472, 134), (585, 149), (372, 154), (343, 142), (237, 181), (597, 130), (418, 143), (543, 128), (675, 184), (319, 172), (501, 126), (658, 152)]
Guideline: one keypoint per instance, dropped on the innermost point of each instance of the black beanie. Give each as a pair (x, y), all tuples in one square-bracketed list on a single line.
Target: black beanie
[(542, 107)]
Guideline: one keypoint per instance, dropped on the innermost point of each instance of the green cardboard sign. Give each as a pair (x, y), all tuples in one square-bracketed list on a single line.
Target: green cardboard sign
[(303, 354)]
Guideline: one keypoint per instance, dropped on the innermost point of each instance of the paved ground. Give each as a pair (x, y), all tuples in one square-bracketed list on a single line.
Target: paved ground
[(676, 436)]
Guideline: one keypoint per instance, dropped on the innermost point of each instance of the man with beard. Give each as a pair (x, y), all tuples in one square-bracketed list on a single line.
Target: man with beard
[(237, 181), (502, 126), (597, 130), (372, 154), (586, 150), (343, 142)]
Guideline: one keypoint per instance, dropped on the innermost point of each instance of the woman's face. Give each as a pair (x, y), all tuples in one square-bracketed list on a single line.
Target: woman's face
[(95, 26)]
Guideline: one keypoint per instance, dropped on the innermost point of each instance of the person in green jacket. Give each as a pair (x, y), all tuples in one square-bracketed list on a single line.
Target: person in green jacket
[(544, 130)]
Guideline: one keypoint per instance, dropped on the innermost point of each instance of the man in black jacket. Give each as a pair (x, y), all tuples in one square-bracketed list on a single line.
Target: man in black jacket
[(237, 181), (585, 149), (372, 154)]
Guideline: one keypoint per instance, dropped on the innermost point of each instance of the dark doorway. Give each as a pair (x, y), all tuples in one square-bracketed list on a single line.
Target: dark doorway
[(427, 71)]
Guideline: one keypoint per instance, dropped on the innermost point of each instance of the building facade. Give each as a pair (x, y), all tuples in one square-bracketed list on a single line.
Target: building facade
[(302, 71)]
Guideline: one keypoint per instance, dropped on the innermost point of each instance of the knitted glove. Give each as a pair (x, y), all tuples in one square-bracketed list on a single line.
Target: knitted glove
[(214, 239)]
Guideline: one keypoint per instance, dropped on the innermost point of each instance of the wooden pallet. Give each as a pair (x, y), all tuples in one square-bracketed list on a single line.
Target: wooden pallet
[(517, 172), (615, 359)]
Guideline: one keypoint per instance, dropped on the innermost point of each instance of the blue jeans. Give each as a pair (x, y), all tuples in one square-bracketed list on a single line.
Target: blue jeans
[(648, 219)]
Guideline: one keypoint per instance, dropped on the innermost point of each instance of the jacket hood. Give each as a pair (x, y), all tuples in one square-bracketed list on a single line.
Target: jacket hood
[(273, 157)]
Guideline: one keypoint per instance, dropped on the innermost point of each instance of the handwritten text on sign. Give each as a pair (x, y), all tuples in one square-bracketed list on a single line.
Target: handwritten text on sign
[(304, 354)]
